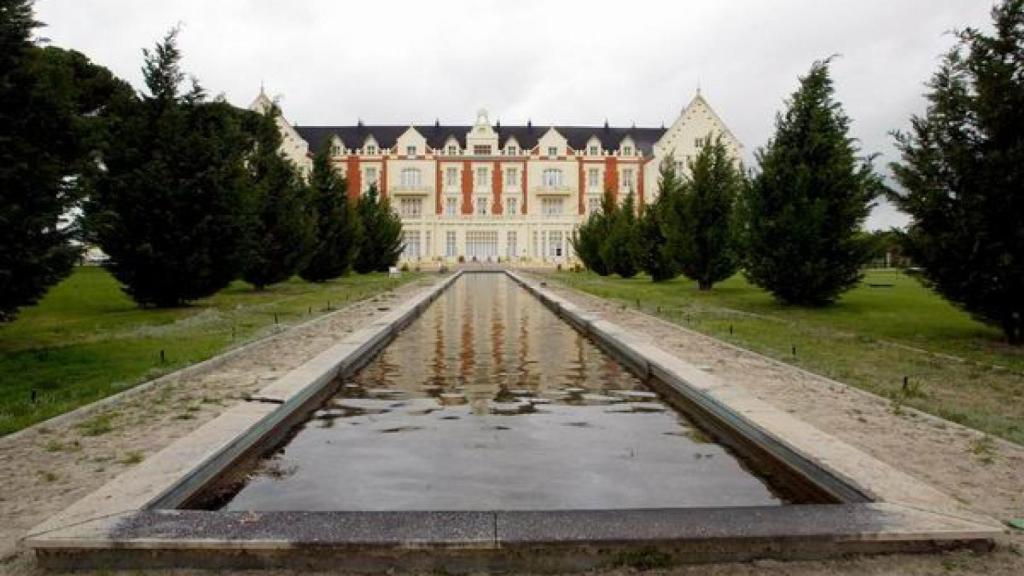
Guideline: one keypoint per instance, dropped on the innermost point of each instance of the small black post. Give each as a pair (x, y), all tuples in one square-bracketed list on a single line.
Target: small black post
[(275, 318), (233, 332), (794, 350), (34, 395), (328, 304), (906, 382), (730, 328), (310, 311), (162, 357)]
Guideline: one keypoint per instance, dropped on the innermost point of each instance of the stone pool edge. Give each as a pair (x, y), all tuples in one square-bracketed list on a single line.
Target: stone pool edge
[(128, 523)]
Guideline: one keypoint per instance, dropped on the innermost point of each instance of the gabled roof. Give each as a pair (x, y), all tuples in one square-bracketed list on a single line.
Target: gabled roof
[(437, 134)]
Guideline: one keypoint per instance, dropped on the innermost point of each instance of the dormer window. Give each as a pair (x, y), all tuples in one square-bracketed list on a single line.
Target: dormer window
[(371, 149), (410, 151), (627, 150), (512, 150), (481, 150), (453, 150), (594, 150), (552, 151), (335, 150)]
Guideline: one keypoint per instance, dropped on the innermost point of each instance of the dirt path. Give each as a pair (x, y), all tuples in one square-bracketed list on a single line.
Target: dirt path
[(49, 467), (986, 475)]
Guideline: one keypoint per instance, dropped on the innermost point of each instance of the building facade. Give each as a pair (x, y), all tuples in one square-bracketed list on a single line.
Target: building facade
[(489, 192)]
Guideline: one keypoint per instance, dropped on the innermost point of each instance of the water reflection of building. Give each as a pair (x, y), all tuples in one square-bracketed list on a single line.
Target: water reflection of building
[(489, 191)]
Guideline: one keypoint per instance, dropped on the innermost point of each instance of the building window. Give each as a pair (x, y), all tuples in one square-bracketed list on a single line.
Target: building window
[(449, 244), (551, 178), (481, 206), (371, 149), (627, 150), (481, 245), (593, 205), (482, 177), (699, 142), (511, 250), (593, 179), (627, 179), (410, 150), (594, 150), (335, 150), (552, 151), (481, 150), (512, 178), (371, 177), (410, 207), (451, 206), (451, 177), (512, 206), (453, 150), (410, 178), (412, 244), (512, 151), (552, 206), (555, 248)]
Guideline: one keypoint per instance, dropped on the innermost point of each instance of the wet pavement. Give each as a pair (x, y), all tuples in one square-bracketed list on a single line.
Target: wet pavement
[(489, 401)]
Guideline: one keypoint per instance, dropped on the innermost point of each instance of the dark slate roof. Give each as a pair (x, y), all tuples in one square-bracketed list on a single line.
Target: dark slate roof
[(437, 134)]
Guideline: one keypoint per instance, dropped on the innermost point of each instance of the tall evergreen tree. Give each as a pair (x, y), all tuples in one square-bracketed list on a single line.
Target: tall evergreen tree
[(382, 241), (621, 250), (962, 175), (705, 242), (338, 230), (588, 238), (656, 225), (805, 207), (171, 206), (284, 228), (52, 107)]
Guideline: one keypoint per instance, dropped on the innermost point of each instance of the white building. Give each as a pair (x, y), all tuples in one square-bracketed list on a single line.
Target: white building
[(489, 191)]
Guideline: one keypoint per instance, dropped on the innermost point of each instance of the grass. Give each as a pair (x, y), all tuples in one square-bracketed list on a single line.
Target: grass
[(86, 340), (873, 338)]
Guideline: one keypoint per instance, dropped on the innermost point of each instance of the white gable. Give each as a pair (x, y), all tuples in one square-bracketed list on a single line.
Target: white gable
[(482, 134), (411, 138), (696, 122), (553, 139)]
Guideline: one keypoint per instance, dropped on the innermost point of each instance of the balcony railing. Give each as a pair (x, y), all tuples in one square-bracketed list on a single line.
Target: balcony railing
[(411, 189), (558, 190)]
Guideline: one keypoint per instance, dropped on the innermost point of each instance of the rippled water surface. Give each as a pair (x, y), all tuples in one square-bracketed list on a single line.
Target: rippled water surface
[(490, 401)]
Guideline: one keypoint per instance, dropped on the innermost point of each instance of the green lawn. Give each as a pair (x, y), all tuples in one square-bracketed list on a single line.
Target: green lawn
[(86, 339), (957, 368)]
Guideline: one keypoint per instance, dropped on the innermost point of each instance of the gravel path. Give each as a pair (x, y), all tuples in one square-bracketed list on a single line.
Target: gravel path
[(47, 470)]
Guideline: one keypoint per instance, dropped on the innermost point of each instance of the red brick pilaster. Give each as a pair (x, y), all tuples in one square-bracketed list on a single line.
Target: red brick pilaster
[(525, 190), (640, 185), (581, 186), (384, 178), (467, 187), (354, 177), (611, 176), (496, 188), (437, 187)]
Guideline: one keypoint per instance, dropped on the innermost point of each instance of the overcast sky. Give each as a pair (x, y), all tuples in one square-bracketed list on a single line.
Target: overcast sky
[(399, 62)]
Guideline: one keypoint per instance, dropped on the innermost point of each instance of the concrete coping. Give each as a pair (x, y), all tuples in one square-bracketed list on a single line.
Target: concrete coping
[(881, 509)]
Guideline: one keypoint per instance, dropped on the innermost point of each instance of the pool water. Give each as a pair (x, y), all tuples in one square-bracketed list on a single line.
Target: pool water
[(489, 401)]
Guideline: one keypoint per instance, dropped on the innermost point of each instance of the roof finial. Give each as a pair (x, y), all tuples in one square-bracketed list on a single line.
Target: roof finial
[(262, 91), (698, 87)]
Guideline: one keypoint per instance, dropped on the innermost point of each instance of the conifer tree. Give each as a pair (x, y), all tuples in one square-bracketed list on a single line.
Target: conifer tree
[(284, 227), (382, 241), (172, 205), (704, 243), (338, 230), (621, 250), (656, 225), (804, 210), (588, 238), (52, 107), (962, 175)]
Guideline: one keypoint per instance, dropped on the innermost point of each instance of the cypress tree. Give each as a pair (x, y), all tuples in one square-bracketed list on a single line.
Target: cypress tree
[(588, 237), (704, 243), (283, 230), (382, 241), (53, 104), (805, 207), (171, 207), (338, 231), (656, 226), (962, 174), (621, 250)]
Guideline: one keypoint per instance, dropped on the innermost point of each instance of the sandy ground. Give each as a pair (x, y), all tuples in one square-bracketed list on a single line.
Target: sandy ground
[(38, 478)]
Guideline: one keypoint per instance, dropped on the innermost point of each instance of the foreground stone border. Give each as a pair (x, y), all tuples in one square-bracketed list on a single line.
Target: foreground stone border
[(131, 521)]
